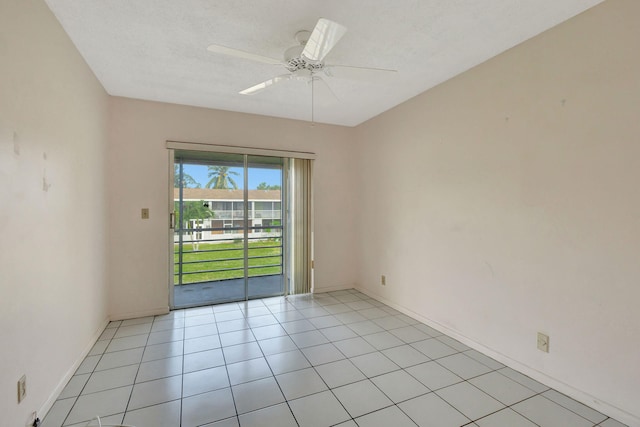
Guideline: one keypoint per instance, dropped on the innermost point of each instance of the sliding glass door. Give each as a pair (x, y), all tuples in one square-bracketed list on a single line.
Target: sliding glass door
[(228, 240), (265, 234)]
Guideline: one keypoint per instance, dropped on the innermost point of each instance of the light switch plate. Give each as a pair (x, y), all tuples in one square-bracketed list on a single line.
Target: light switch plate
[(22, 388), (144, 213), (543, 342)]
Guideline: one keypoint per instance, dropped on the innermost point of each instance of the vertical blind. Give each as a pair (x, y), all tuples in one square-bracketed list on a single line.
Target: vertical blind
[(302, 226)]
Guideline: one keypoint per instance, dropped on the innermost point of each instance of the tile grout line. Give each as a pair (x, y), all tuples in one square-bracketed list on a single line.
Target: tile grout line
[(93, 370), (305, 308), (274, 377)]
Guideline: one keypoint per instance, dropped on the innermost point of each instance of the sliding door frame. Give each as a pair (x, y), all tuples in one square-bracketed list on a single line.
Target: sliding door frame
[(172, 226), (173, 146)]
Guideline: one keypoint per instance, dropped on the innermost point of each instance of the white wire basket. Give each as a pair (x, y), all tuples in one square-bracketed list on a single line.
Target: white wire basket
[(96, 422)]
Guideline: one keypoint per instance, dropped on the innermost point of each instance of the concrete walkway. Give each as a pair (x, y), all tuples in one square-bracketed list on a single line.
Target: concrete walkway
[(206, 293)]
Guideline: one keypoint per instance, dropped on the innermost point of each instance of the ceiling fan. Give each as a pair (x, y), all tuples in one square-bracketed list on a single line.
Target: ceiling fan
[(305, 61)]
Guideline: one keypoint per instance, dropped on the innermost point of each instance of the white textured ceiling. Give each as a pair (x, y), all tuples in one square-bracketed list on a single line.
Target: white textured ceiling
[(157, 49)]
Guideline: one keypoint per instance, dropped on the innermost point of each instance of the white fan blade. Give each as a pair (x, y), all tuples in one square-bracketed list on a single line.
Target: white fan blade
[(358, 73), (223, 50), (324, 37), (262, 86)]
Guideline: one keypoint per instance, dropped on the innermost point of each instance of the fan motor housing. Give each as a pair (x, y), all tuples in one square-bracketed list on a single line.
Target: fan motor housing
[(295, 61)]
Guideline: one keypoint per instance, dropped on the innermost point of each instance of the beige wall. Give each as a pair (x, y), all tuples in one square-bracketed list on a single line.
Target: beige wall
[(53, 138), (139, 177), (505, 202), (501, 203)]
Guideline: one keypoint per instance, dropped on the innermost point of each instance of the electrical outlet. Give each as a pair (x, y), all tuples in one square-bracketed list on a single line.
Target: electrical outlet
[(543, 342), (144, 213), (22, 388), (383, 280), (35, 421)]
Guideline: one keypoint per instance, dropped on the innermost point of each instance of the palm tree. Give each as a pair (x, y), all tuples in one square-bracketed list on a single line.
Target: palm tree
[(220, 178), (192, 209), (187, 180), (265, 186)]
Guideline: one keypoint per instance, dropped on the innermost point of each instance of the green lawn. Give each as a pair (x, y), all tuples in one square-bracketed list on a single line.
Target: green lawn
[(219, 260)]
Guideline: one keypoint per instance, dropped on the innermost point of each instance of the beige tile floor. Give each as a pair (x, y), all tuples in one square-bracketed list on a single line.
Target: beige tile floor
[(334, 359)]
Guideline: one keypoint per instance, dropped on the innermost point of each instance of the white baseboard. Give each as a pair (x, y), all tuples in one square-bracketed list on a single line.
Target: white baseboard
[(67, 376), (136, 314), (44, 409), (581, 396), (323, 289)]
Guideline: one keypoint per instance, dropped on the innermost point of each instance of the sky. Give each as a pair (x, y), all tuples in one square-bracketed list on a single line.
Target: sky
[(256, 175)]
